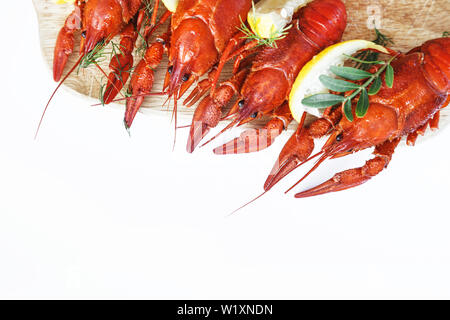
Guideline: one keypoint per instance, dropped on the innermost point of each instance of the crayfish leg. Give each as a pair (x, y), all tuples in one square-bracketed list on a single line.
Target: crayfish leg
[(256, 140), (434, 123), (121, 64), (200, 90), (142, 80), (236, 47), (209, 111), (355, 177)]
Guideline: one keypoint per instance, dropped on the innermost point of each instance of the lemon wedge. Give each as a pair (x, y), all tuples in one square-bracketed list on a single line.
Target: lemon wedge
[(308, 83), (64, 1), (171, 5), (269, 17)]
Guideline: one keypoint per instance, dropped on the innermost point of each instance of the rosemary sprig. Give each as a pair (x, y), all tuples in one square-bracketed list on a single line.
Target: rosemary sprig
[(380, 39), (353, 89)]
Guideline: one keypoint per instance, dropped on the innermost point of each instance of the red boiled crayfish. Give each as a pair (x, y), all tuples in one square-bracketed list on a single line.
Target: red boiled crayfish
[(99, 21), (421, 89), (264, 89), (201, 33)]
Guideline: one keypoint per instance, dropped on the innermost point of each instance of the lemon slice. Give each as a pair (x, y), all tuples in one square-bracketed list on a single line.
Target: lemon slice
[(308, 83), (64, 1), (269, 17), (171, 5)]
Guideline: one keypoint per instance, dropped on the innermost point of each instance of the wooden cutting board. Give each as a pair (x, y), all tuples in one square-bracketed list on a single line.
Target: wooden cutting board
[(408, 23)]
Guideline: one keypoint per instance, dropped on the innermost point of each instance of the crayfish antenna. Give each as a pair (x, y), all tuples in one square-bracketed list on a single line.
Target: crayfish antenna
[(248, 203), (329, 151), (132, 97), (288, 167), (316, 165), (175, 115), (53, 94)]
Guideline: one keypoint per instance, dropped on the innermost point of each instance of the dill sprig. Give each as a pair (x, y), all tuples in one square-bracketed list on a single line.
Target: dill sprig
[(140, 50), (148, 9), (95, 56), (116, 50), (118, 74), (270, 42), (100, 54)]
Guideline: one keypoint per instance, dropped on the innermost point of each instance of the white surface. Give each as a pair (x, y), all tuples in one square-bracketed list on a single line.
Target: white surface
[(87, 212)]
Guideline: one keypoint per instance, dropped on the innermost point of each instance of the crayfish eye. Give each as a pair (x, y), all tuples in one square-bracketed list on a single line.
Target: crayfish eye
[(170, 70), (254, 115), (186, 77), (241, 103), (340, 137), (83, 34)]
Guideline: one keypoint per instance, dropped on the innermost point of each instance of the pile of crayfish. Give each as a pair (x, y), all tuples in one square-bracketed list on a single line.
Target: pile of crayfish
[(201, 39)]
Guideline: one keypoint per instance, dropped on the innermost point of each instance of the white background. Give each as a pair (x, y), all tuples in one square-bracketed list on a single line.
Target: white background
[(87, 212)]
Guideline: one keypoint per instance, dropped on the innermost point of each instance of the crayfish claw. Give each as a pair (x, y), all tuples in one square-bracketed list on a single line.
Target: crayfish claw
[(357, 176), (198, 92), (65, 43), (341, 181), (296, 151), (206, 116)]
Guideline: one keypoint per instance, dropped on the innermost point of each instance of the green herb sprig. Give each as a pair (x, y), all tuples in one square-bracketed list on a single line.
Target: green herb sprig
[(273, 38), (270, 42), (101, 94), (324, 100), (446, 34), (140, 50), (95, 56), (116, 51), (148, 7), (380, 39), (100, 54)]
